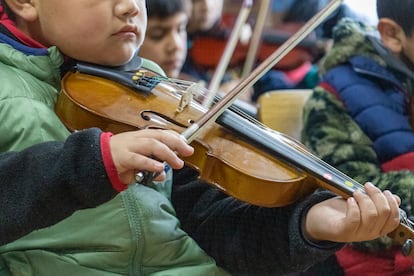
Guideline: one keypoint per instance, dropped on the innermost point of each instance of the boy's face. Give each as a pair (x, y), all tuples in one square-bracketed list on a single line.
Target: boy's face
[(166, 43), (106, 32), (204, 14), (408, 50)]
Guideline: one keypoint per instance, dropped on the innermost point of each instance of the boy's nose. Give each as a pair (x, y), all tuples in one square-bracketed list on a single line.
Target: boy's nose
[(127, 8), (174, 41)]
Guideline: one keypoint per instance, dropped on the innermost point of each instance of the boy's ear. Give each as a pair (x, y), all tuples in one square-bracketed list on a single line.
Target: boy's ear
[(392, 34), (24, 9)]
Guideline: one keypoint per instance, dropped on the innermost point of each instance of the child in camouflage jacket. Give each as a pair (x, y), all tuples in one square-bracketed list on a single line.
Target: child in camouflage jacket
[(359, 120)]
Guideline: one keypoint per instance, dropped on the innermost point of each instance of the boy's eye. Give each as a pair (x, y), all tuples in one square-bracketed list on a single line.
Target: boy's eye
[(155, 34)]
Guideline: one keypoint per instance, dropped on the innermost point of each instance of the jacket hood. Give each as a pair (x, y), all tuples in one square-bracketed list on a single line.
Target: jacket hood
[(351, 38)]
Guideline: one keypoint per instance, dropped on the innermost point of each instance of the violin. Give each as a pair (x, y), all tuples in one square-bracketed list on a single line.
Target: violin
[(236, 154), (111, 100)]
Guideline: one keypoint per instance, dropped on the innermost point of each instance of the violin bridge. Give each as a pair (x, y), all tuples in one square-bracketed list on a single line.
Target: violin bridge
[(186, 97)]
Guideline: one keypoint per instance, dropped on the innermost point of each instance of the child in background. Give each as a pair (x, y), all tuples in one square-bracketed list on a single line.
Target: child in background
[(359, 119), (165, 40), (137, 232), (285, 13), (204, 15), (204, 18)]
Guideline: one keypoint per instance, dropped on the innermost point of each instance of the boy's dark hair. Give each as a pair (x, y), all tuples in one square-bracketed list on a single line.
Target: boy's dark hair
[(7, 10), (164, 8), (302, 11), (401, 11)]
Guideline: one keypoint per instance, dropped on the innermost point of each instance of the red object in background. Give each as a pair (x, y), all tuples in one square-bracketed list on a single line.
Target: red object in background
[(207, 48)]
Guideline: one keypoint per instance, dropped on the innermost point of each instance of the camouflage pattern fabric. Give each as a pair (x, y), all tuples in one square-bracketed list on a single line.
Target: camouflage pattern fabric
[(332, 134)]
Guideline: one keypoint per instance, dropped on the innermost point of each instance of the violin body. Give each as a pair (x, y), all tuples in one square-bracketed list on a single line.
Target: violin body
[(222, 158)]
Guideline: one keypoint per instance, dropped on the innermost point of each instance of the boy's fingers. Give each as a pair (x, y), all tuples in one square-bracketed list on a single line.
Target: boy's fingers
[(144, 163), (394, 217), (176, 142), (167, 137), (156, 150), (381, 208)]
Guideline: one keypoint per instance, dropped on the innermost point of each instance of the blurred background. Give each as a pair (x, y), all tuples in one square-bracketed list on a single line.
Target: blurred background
[(363, 8)]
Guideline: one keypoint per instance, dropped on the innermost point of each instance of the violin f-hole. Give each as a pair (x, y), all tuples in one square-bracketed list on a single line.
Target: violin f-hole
[(161, 119)]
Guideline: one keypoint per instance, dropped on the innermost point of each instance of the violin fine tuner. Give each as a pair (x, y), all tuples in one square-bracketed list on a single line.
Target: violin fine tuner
[(139, 177), (145, 178), (407, 247)]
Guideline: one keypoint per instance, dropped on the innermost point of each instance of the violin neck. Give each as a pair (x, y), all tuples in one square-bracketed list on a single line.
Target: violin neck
[(291, 151), (295, 154)]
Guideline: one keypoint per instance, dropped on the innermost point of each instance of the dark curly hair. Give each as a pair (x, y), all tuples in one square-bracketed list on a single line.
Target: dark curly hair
[(7, 10), (164, 8), (401, 11)]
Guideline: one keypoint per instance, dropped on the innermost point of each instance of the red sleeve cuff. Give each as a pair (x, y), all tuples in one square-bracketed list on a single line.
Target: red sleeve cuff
[(405, 161), (109, 163)]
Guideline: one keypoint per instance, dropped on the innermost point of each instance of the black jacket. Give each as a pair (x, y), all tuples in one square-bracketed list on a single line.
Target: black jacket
[(243, 238), (48, 182)]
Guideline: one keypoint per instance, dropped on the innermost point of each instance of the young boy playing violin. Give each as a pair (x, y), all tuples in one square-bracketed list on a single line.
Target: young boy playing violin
[(359, 119), (138, 231)]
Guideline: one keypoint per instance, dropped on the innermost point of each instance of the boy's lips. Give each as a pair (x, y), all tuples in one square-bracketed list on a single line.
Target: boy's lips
[(128, 29)]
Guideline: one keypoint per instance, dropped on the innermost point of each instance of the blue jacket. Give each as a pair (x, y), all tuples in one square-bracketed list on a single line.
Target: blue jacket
[(378, 102)]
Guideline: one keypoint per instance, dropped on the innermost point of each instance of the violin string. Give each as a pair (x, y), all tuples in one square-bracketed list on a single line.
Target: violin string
[(309, 158), (302, 153), (185, 84), (295, 147)]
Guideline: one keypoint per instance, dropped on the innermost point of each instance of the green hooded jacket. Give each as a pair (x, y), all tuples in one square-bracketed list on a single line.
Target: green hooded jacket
[(136, 233)]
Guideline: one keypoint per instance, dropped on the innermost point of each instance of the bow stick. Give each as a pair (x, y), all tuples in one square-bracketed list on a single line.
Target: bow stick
[(211, 115)]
